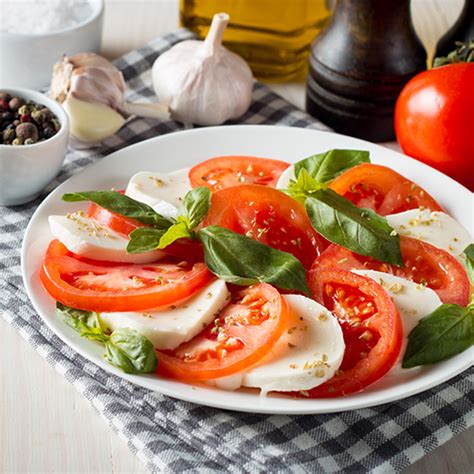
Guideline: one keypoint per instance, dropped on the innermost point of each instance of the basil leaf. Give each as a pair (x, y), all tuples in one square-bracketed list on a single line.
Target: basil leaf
[(131, 352), (180, 230), (196, 204), (469, 252), (144, 239), (86, 323), (304, 186), (238, 259), (357, 229), (447, 331), (325, 167), (123, 205), (125, 348)]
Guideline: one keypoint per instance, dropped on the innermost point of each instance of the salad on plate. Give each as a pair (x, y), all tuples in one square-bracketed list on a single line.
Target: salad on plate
[(313, 280)]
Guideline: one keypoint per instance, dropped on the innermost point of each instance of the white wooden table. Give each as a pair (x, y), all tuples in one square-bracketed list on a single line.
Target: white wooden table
[(45, 425)]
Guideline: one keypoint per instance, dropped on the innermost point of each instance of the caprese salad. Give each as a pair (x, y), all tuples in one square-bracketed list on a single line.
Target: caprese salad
[(315, 279)]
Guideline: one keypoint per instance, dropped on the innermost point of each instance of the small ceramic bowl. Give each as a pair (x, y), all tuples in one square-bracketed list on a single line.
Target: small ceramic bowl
[(28, 59), (26, 169)]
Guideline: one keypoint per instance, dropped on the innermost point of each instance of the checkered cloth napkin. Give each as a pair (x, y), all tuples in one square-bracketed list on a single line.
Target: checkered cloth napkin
[(174, 436)]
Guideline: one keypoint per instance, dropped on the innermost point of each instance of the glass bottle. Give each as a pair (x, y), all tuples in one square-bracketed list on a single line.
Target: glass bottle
[(273, 36)]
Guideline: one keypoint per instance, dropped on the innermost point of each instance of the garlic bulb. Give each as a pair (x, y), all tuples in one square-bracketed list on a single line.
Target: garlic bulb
[(203, 82), (92, 91)]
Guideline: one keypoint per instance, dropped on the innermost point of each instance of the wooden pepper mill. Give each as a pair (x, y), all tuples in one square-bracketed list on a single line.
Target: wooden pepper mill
[(360, 63)]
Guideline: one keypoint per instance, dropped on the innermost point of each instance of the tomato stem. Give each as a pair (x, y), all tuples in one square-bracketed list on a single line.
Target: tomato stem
[(464, 53)]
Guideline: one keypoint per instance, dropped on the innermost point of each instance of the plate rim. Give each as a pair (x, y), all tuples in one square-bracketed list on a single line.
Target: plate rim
[(188, 395)]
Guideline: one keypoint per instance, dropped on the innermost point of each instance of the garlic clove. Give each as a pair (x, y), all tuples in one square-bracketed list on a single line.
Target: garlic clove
[(61, 79), (92, 122), (96, 84), (203, 82), (88, 84), (91, 59), (144, 109)]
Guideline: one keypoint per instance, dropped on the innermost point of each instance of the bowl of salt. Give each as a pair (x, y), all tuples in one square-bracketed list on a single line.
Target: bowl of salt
[(34, 34)]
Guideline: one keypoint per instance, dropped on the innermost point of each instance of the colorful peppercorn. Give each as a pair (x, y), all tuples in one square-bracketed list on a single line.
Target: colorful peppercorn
[(25, 123)]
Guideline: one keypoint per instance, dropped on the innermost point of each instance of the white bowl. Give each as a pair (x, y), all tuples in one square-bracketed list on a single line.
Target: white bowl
[(26, 169), (28, 59)]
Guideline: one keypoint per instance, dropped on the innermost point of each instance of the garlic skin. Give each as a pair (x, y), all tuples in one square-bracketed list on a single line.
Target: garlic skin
[(88, 77), (203, 82), (92, 91)]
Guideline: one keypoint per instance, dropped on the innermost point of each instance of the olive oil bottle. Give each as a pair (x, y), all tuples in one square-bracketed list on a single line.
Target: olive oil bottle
[(273, 36)]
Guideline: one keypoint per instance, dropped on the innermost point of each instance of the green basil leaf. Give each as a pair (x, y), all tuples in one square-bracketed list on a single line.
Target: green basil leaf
[(304, 186), (125, 348), (196, 204), (447, 331), (180, 230), (123, 205), (131, 352), (86, 323), (195, 207), (359, 230), (469, 252), (238, 259), (325, 167), (144, 239)]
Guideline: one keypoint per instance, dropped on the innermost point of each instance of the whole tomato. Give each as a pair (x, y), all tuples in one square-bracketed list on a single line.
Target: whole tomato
[(434, 120)]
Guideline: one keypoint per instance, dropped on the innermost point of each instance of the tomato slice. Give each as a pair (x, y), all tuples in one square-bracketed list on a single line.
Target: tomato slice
[(114, 221), (105, 286), (183, 248), (423, 264), (371, 326), (269, 216), (242, 334), (383, 190), (226, 171)]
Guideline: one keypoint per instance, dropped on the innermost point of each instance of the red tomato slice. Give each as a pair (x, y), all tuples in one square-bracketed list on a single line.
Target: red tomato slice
[(112, 220), (383, 190), (269, 216), (226, 171), (423, 263), (371, 326), (183, 248), (242, 334), (105, 286)]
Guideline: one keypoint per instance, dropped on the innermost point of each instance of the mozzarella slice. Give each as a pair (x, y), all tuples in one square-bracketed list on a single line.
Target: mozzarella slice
[(162, 191), (413, 301), (436, 228), (285, 177), (167, 329), (307, 354), (86, 237)]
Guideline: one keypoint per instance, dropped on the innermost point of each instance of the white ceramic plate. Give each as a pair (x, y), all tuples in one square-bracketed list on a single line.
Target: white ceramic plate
[(182, 149)]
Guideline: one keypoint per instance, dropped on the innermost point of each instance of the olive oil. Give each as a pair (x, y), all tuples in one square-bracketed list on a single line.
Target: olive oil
[(273, 36)]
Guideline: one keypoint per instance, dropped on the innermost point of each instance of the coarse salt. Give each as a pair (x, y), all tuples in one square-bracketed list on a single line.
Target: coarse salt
[(44, 16)]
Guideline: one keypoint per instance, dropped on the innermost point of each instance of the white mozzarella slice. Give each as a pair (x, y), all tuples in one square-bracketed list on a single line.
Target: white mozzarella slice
[(413, 301), (437, 228), (88, 238), (306, 355), (285, 177), (164, 192), (165, 209), (168, 328)]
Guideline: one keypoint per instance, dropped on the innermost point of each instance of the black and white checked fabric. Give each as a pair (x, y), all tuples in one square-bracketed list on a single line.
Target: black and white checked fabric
[(174, 436)]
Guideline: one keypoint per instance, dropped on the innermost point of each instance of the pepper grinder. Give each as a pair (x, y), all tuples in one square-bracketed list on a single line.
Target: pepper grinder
[(360, 63)]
